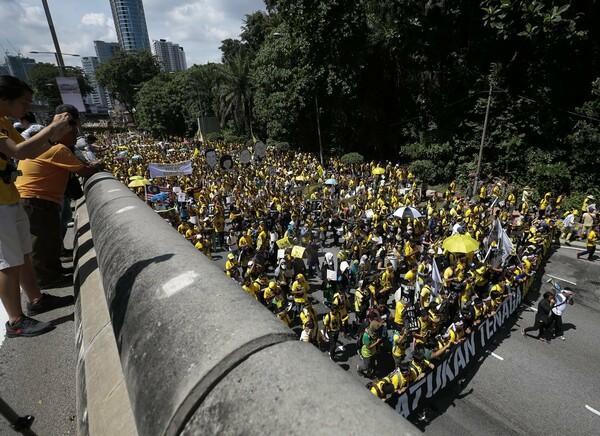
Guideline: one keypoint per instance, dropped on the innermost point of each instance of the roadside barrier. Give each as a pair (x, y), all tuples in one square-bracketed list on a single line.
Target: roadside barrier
[(197, 355)]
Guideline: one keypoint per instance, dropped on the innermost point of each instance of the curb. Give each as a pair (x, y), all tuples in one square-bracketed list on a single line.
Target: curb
[(103, 405)]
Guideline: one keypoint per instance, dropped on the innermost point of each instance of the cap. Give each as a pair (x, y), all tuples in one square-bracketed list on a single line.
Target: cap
[(230, 256), (567, 291)]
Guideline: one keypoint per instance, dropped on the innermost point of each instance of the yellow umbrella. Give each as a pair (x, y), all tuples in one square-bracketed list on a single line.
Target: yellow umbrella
[(301, 178), (378, 171), (460, 244), (138, 183), (136, 178)]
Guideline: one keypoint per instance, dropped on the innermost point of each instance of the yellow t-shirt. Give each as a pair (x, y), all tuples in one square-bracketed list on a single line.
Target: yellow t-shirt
[(46, 176), (8, 191)]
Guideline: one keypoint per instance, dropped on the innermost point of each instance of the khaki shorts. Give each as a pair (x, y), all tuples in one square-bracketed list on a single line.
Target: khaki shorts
[(15, 239)]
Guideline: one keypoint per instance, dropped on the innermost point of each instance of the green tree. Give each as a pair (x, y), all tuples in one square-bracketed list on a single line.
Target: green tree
[(235, 93), (125, 72), (584, 141), (42, 77), (203, 86), (161, 104)]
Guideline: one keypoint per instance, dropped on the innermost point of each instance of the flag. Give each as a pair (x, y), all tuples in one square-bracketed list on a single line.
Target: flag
[(199, 133), (505, 245), (436, 278)]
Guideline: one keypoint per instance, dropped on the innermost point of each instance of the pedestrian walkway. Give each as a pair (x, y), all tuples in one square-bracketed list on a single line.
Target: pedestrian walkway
[(37, 375)]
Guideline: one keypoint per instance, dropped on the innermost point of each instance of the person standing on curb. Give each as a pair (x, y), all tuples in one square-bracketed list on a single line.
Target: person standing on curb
[(542, 317), (562, 298)]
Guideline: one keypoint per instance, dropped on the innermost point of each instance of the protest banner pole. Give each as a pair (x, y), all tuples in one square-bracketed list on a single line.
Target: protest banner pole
[(485, 123)]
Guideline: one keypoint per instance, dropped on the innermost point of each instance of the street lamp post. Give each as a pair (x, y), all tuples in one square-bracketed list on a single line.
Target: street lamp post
[(58, 54), (485, 123), (58, 57)]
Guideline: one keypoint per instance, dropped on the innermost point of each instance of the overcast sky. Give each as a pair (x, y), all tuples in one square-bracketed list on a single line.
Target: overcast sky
[(198, 26)]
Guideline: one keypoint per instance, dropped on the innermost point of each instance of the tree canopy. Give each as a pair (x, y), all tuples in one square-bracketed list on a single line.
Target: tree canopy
[(42, 78), (125, 72), (408, 81)]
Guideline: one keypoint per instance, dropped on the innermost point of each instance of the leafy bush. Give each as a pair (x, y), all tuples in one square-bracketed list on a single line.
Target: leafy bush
[(352, 158)]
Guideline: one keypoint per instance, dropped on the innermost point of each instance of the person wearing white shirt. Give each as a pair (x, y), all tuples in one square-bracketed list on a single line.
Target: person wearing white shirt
[(568, 223), (562, 298)]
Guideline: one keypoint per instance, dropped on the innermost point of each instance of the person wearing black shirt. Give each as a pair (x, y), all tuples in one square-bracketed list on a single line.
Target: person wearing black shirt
[(541, 317)]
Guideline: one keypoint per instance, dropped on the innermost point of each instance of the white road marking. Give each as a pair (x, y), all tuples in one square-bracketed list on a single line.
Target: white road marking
[(573, 248), (114, 190), (495, 355), (561, 279), (592, 410)]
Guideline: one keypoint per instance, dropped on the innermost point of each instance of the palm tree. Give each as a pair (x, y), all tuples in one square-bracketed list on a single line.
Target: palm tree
[(236, 93)]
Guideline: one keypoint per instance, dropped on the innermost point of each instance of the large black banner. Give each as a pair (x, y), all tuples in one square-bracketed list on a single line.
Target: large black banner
[(421, 392)]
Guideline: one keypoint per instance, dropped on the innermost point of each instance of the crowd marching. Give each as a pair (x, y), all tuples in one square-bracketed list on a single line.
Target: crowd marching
[(405, 273)]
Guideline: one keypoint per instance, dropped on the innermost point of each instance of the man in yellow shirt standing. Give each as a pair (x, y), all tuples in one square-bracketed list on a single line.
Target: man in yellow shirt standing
[(592, 238)]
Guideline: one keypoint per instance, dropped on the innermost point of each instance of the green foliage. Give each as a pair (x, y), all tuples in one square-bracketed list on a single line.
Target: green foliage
[(42, 78), (214, 136), (159, 105), (124, 74), (352, 158)]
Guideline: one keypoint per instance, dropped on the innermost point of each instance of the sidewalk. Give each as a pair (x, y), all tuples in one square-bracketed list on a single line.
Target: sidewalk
[(37, 375)]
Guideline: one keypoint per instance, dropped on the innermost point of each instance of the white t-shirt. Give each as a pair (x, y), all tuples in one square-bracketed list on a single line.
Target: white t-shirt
[(561, 304)]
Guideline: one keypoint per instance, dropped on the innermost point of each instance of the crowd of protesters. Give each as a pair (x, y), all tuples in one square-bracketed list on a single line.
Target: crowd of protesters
[(289, 226)]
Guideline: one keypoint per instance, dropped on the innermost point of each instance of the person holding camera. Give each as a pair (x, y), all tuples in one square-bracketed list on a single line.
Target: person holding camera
[(16, 269), (42, 186)]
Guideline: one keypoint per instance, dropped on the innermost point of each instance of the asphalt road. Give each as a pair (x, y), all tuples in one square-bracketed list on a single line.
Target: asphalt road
[(537, 388)]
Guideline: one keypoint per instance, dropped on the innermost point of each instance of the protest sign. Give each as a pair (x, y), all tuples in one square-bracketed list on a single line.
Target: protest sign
[(284, 243), (298, 251)]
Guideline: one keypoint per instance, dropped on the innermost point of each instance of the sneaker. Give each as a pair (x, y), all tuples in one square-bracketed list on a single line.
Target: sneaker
[(27, 327), (47, 303), (70, 224), (60, 281)]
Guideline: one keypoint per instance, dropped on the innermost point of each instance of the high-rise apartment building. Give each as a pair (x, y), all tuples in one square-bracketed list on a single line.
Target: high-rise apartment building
[(104, 50), (170, 56), (130, 24), (99, 96), (19, 66)]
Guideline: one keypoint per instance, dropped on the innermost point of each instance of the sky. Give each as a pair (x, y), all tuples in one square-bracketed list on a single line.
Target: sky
[(198, 26)]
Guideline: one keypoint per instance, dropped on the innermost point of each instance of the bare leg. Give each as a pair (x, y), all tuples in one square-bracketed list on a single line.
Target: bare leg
[(28, 280), (9, 293)]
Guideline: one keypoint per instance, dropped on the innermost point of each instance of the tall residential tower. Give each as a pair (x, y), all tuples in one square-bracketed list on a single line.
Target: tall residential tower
[(130, 24), (170, 56)]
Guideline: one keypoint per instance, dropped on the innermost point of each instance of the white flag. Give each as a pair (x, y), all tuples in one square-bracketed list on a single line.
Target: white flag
[(436, 278), (506, 244)]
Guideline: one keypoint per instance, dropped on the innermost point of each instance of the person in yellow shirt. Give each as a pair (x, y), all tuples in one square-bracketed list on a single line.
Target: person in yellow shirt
[(299, 291), (232, 268), (16, 269), (332, 324), (592, 239)]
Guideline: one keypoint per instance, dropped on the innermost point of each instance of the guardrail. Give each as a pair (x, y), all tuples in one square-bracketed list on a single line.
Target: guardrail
[(198, 354)]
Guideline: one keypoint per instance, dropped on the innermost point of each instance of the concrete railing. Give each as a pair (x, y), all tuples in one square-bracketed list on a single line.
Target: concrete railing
[(199, 355)]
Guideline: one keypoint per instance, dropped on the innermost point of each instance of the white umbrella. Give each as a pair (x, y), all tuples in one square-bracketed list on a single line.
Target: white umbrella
[(407, 212)]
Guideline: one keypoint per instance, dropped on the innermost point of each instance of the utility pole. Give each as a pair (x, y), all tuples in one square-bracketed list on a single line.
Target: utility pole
[(319, 131), (59, 58), (485, 123)]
